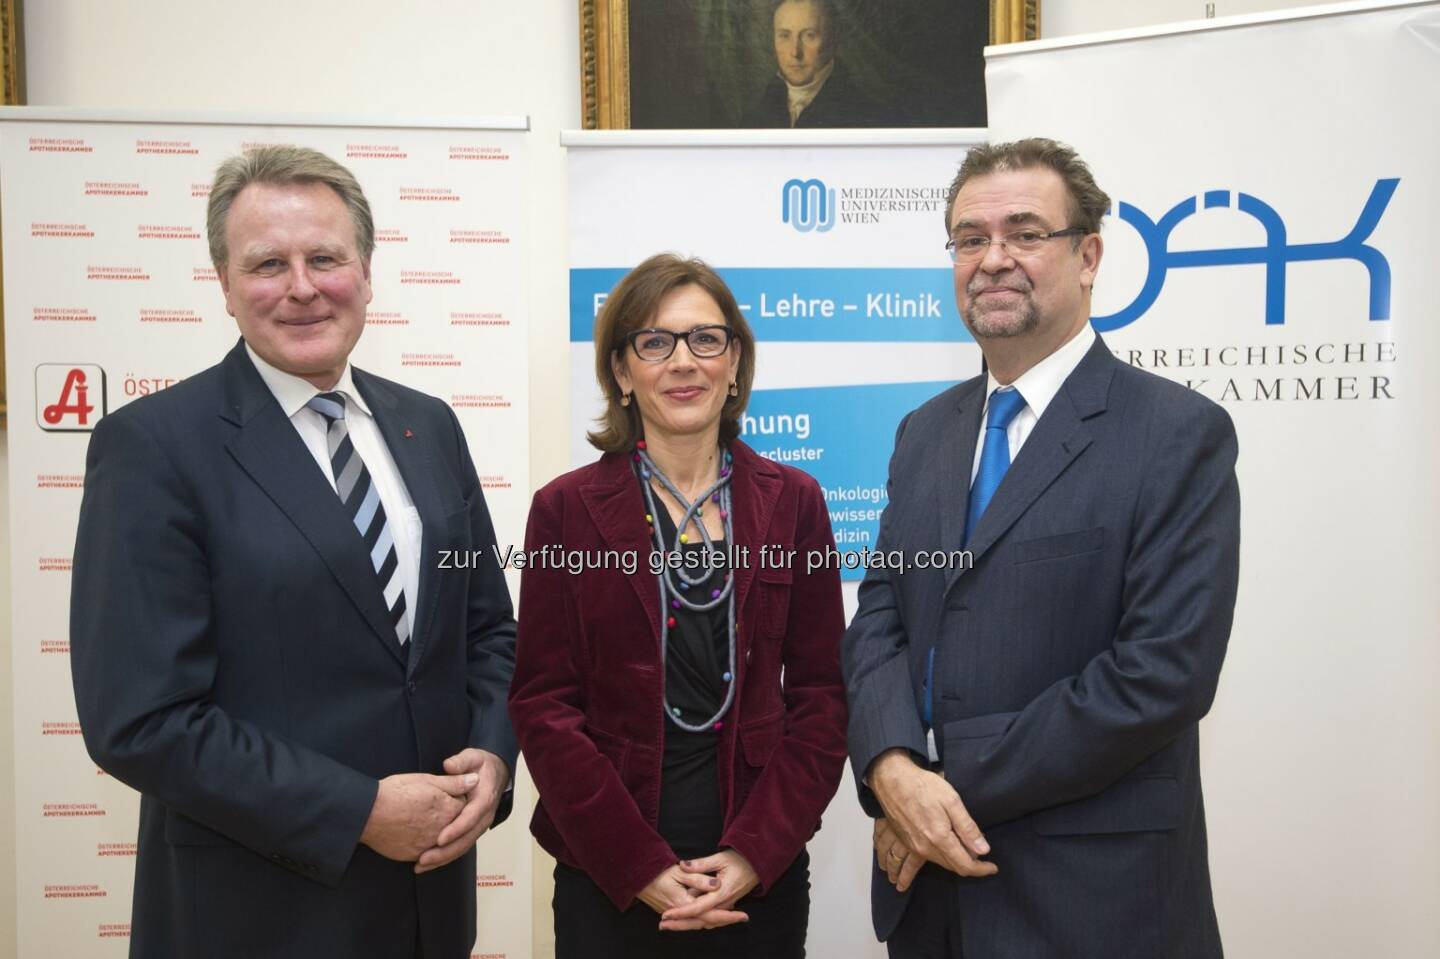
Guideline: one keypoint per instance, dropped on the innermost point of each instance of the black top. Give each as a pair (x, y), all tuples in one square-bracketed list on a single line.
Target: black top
[(839, 103), (697, 657)]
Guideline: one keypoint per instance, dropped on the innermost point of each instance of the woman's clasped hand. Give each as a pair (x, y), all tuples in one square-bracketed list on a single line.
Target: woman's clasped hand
[(701, 893)]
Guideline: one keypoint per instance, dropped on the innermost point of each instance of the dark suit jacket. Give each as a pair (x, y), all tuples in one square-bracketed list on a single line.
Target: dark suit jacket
[(1073, 661), (233, 662), (586, 701), (840, 103)]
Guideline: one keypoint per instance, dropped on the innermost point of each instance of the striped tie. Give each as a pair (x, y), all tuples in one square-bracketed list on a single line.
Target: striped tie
[(361, 500)]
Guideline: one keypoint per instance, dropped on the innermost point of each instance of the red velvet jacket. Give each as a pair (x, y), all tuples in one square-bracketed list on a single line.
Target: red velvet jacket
[(586, 696)]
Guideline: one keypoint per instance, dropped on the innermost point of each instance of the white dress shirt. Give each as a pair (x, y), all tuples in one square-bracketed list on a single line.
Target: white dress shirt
[(292, 393), (1038, 385)]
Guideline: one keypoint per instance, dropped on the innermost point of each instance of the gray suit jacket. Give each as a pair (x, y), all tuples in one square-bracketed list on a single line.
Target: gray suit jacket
[(1073, 660)]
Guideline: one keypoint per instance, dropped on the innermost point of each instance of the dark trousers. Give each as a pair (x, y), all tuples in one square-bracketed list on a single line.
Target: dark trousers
[(588, 926), (930, 928)]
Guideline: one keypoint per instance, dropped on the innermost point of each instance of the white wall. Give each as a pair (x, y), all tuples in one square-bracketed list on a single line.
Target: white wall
[(425, 57), (1061, 18)]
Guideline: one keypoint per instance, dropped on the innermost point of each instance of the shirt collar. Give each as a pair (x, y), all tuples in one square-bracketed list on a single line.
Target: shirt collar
[(292, 392), (800, 97), (1041, 382)]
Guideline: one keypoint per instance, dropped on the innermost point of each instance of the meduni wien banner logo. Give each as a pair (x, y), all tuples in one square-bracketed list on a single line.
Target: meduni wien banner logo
[(812, 205)]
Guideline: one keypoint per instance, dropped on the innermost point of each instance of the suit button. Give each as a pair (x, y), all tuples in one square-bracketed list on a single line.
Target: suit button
[(411, 686)]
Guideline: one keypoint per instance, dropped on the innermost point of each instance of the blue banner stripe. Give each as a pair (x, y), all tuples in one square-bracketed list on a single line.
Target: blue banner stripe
[(813, 304), (842, 436)]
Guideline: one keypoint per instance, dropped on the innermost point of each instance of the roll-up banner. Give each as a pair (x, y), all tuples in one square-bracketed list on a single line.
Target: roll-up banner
[(835, 249), (1272, 245), (110, 295)]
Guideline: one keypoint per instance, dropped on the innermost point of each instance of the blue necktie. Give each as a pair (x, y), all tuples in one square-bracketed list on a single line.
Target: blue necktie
[(1005, 404), (361, 499)]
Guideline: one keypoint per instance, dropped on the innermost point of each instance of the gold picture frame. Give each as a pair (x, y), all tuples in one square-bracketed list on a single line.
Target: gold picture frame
[(12, 52), (605, 50), (12, 93)]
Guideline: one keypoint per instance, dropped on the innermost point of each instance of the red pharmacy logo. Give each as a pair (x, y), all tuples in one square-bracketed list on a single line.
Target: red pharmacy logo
[(69, 398)]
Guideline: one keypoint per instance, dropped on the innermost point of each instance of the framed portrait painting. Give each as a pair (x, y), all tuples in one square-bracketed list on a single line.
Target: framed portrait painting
[(755, 64)]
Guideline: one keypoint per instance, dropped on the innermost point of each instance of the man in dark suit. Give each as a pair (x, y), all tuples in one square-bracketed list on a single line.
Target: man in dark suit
[(1048, 694), (263, 642), (811, 88)]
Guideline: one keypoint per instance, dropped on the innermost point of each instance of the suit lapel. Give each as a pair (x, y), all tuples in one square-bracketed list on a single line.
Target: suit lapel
[(617, 508), (1058, 439), (414, 456), (267, 447)]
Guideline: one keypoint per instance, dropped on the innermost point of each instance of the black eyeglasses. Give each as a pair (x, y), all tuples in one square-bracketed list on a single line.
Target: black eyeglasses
[(704, 342), (969, 247)]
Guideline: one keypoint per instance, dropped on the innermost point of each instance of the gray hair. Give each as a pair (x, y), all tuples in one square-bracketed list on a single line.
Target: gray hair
[(283, 166)]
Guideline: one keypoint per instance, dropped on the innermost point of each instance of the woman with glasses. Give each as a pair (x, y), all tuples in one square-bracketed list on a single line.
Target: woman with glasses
[(678, 695)]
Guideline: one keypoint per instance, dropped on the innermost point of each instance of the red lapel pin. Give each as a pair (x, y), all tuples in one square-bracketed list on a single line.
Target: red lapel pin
[(409, 435)]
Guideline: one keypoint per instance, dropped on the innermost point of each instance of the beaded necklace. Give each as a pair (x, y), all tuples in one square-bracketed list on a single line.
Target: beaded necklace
[(676, 583)]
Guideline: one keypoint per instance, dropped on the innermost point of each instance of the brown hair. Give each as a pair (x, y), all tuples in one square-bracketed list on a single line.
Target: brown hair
[(1088, 203), (631, 306), (283, 166)]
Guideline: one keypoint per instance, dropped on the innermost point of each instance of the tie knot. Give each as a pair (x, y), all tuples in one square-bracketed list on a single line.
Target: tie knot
[(1004, 405), (329, 405)]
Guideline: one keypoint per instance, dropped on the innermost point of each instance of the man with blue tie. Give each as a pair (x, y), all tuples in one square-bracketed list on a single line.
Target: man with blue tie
[(263, 643), (1024, 727)]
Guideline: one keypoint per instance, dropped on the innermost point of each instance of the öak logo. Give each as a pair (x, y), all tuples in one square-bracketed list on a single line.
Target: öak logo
[(1275, 254), (69, 397), (808, 205)]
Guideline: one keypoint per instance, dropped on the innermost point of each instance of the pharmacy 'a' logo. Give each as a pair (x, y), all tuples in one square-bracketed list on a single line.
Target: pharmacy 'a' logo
[(69, 397)]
